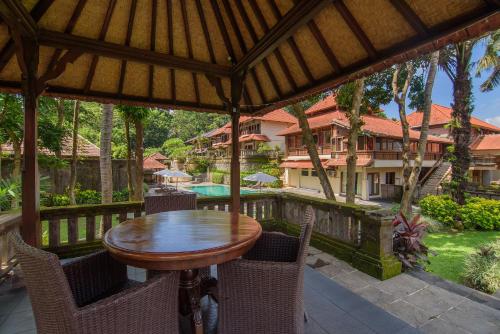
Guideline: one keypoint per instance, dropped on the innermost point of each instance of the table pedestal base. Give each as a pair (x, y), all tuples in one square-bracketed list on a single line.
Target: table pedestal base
[(189, 299)]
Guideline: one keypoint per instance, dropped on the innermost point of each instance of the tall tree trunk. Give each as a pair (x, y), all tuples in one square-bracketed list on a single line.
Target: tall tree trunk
[(105, 158), (74, 153), (139, 158), (400, 99), (355, 127), (461, 126), (57, 153), (308, 139), (409, 192), (130, 183)]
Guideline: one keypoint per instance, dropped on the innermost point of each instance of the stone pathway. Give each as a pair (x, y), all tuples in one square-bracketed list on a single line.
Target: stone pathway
[(425, 306)]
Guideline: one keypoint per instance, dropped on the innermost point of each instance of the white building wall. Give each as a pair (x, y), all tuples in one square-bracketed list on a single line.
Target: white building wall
[(271, 129)]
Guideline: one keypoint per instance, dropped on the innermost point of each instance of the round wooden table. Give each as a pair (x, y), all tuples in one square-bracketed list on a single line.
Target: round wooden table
[(183, 240)]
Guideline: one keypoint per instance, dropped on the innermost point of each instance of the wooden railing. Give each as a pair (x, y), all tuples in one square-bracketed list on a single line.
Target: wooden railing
[(8, 222), (322, 150), (73, 230), (356, 234)]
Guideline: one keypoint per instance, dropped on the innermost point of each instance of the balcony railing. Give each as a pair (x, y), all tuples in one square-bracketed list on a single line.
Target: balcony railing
[(479, 160), (386, 155), (356, 234), (322, 150)]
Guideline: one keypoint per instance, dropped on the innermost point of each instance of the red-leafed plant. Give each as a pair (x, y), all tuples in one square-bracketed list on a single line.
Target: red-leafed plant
[(407, 242)]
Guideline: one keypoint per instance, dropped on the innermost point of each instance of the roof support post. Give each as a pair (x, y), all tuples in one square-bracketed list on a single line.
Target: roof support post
[(234, 108), (27, 53)]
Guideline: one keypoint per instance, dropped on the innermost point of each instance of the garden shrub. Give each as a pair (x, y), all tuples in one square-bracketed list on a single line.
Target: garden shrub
[(482, 269), (54, 200), (88, 197), (218, 177), (120, 196), (441, 208), (481, 213)]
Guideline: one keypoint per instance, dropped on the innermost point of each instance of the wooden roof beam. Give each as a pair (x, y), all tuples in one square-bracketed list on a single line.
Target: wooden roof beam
[(17, 17), (111, 50), (300, 14), (411, 17)]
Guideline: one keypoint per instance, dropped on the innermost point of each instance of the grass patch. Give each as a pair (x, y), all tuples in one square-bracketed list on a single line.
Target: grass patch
[(452, 248)]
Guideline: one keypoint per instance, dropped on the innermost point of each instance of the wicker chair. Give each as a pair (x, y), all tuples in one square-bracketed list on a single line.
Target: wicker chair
[(263, 291), (93, 295)]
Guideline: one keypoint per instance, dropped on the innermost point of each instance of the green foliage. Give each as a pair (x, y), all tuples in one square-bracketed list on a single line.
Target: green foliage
[(49, 199), (217, 177), (482, 269), (88, 197), (121, 196), (157, 128), (477, 213), (186, 124), (201, 165), (176, 149), (119, 151), (481, 213), (151, 150), (441, 208), (10, 189)]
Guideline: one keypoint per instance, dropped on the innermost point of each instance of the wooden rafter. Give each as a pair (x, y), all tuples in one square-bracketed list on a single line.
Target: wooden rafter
[(318, 36), (58, 68), (187, 32), (130, 25), (405, 10), (300, 14), (170, 20), (36, 13), (15, 15), (116, 51), (152, 45), (102, 35), (355, 28), (206, 34)]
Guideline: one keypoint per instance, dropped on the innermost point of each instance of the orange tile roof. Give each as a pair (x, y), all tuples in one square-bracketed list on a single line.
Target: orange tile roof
[(278, 115), (329, 102), (302, 164), (254, 137), (372, 124), (441, 115), (158, 156), (226, 128), (151, 163), (487, 142), (85, 148)]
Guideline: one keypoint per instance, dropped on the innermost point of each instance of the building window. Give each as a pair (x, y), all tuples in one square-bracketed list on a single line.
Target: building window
[(304, 172), (390, 178), (373, 184), (361, 143), (378, 144), (339, 147), (327, 137), (314, 172)]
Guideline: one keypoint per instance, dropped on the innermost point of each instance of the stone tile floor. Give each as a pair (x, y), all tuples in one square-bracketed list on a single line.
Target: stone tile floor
[(425, 306), (331, 308), (339, 299)]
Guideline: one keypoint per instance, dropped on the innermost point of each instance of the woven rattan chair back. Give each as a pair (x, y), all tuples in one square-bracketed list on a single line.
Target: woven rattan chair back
[(48, 289), (306, 228)]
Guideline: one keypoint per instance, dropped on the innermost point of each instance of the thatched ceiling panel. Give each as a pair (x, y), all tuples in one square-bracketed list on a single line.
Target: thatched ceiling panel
[(136, 79), (443, 10), (382, 32), (288, 48), (315, 58), (107, 75), (162, 89), (75, 75), (91, 19), (117, 31)]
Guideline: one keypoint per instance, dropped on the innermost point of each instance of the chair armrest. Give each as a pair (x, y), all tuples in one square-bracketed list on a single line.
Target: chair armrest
[(91, 276), (272, 246), (150, 307)]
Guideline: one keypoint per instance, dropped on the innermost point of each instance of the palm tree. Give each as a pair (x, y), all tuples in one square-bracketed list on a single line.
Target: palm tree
[(126, 115), (105, 154), (456, 61), (490, 61)]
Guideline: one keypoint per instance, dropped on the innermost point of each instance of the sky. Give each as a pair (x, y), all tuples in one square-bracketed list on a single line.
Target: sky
[(486, 105)]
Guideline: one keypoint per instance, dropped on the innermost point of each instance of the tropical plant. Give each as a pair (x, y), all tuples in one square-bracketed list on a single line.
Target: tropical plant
[(490, 61), (440, 207), (408, 243), (482, 268), (10, 190)]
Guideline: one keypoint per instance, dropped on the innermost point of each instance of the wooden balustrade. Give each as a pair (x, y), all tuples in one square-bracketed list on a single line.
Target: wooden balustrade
[(351, 232), (8, 222)]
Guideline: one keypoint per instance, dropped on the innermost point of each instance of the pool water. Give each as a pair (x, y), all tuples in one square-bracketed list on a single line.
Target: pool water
[(218, 190)]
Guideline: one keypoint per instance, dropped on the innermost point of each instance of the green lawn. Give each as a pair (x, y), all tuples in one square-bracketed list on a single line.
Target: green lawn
[(451, 250)]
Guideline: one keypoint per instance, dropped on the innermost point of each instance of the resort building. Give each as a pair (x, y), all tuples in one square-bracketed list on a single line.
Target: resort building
[(254, 131), (379, 149), (485, 142)]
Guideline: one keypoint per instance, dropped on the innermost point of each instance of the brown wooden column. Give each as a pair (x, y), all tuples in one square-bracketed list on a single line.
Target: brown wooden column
[(30, 227), (234, 105)]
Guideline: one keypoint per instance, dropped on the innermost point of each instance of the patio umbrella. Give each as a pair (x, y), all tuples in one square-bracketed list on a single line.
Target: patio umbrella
[(260, 178), (174, 173)]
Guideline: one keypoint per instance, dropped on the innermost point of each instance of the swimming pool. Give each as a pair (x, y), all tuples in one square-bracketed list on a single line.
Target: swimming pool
[(216, 190)]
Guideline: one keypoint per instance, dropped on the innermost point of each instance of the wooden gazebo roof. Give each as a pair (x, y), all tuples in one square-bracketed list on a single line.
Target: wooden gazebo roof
[(182, 54)]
